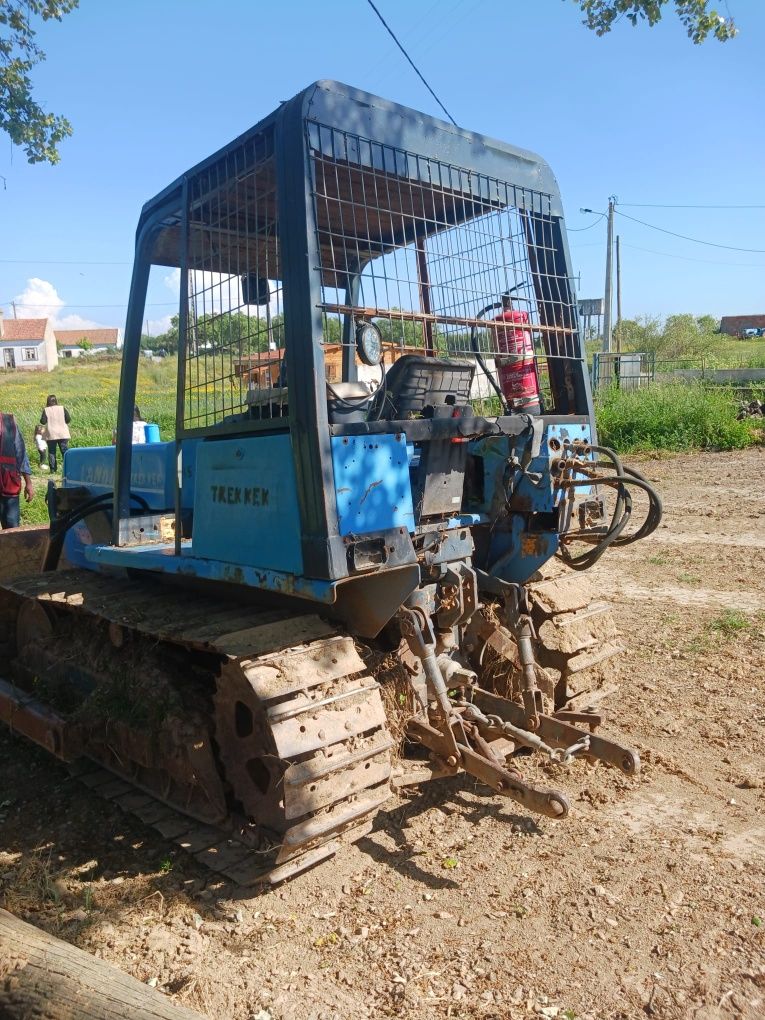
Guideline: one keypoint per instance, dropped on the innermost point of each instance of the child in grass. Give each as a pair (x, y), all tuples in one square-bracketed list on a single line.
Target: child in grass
[(42, 447)]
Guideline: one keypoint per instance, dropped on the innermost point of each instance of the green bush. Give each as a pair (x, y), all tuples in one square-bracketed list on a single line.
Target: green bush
[(672, 416)]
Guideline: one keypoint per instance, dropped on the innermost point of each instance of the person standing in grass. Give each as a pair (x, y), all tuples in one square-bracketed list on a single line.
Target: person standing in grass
[(14, 465), (56, 420), (42, 447)]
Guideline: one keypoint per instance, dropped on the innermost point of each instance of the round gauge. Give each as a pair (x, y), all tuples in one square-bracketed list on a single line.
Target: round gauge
[(369, 343)]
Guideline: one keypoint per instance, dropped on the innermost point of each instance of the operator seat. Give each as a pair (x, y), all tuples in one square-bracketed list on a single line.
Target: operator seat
[(415, 382)]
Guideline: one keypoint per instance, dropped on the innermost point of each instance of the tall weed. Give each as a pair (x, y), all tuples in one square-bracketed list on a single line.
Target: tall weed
[(672, 416)]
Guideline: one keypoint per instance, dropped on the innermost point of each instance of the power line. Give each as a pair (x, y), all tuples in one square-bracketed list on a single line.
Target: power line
[(656, 205), (695, 240), (67, 304), (415, 36), (688, 258), (412, 63), (63, 262), (574, 230)]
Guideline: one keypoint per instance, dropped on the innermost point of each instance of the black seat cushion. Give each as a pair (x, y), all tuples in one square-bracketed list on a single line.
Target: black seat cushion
[(415, 382)]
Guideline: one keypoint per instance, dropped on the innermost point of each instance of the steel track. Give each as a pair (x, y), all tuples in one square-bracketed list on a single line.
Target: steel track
[(294, 760)]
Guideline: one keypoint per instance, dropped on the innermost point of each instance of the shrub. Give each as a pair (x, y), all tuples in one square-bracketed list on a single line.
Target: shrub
[(672, 416)]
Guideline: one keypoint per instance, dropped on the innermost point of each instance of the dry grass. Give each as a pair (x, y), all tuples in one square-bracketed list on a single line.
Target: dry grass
[(31, 882), (397, 696)]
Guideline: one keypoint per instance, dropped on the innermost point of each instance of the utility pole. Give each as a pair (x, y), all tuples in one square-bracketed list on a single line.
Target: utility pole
[(14, 309), (618, 298), (609, 277)]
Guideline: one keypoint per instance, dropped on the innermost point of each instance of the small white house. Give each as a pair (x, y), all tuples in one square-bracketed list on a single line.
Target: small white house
[(28, 345), (72, 343)]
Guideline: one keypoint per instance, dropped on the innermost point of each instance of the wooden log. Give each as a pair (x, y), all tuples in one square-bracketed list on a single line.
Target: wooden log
[(43, 978), (21, 550)]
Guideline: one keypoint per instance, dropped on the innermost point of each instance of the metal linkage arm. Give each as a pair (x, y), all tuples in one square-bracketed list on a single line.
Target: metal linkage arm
[(551, 803), (558, 733)]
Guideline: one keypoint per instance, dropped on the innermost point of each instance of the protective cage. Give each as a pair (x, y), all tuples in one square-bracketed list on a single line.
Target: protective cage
[(233, 322), (341, 209), (419, 247)]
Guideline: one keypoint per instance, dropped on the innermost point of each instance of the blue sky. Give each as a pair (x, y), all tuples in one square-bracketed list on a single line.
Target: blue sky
[(153, 86)]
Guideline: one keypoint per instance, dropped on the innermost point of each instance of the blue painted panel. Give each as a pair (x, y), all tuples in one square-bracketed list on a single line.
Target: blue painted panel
[(515, 553), (161, 559), (372, 486), (570, 432), (152, 477), (153, 467), (245, 503)]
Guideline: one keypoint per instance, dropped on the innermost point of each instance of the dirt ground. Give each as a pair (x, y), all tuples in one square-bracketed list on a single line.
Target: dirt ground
[(649, 900)]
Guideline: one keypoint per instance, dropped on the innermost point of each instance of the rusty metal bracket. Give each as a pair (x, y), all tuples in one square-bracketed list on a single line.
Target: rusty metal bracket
[(551, 803), (418, 632), (558, 732), (561, 734), (591, 719), (29, 717), (493, 725), (518, 617)]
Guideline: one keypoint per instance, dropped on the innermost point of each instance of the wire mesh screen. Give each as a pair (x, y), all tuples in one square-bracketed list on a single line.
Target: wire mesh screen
[(234, 325), (443, 260)]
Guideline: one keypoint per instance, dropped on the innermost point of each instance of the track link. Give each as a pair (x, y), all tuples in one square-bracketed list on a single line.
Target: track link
[(294, 757)]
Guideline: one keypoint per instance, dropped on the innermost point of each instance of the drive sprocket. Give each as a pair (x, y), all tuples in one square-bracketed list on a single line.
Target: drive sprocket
[(303, 740)]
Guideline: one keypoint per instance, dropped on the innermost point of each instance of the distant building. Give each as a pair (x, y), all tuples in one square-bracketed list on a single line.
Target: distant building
[(28, 345), (97, 341), (734, 325)]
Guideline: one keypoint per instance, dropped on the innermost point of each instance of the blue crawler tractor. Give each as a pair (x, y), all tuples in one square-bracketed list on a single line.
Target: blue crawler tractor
[(335, 579)]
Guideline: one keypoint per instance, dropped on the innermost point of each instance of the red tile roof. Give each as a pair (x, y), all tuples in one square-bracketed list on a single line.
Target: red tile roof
[(96, 337), (23, 329), (736, 323)]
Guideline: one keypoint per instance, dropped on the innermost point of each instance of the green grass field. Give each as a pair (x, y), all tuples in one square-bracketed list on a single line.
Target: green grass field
[(732, 353), (89, 391), (674, 417), (725, 352), (665, 417)]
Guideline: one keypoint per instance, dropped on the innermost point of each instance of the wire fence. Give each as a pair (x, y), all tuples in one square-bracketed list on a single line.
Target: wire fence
[(635, 370)]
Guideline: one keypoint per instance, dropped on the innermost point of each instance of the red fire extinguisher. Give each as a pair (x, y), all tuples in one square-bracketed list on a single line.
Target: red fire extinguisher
[(516, 364)]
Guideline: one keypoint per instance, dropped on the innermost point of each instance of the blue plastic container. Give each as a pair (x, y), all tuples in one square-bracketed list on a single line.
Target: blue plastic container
[(152, 433)]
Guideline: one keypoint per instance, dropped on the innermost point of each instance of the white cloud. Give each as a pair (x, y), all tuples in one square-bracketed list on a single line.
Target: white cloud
[(38, 300), (219, 292), (173, 281), (158, 326), (41, 300), (74, 322)]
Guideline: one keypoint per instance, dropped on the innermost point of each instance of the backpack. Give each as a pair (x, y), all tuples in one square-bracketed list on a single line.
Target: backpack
[(10, 477)]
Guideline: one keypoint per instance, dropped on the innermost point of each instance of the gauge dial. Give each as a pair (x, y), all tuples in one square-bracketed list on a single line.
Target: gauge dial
[(369, 343)]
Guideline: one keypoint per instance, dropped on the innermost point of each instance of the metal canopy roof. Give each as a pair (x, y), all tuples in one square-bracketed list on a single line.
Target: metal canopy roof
[(421, 157)]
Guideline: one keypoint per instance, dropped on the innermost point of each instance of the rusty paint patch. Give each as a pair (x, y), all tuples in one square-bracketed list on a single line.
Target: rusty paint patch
[(373, 485), (534, 543)]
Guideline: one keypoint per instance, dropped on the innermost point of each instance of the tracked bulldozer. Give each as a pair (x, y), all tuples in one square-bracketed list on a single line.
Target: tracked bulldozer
[(356, 564)]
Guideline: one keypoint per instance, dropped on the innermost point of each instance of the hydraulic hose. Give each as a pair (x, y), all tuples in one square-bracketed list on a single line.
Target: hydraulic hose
[(60, 526), (479, 357), (621, 480), (100, 502)]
